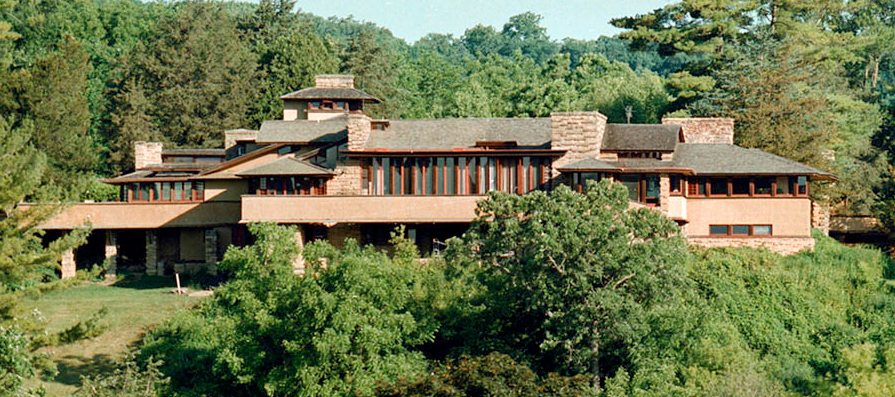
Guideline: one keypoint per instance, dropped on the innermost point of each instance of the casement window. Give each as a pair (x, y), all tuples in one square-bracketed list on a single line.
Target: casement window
[(454, 175), (166, 191), (677, 185), (643, 188), (579, 179), (780, 186), (288, 186), (740, 230)]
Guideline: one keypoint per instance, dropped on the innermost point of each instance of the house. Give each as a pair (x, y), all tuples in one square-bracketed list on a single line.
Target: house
[(335, 173)]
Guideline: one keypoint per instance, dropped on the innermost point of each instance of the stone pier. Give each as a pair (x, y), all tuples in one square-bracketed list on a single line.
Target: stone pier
[(298, 264), (111, 254), (68, 264), (152, 253), (211, 251)]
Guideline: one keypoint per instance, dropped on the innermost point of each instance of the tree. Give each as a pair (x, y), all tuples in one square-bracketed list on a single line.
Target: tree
[(376, 68), (349, 322), (197, 75), (571, 278), (612, 87)]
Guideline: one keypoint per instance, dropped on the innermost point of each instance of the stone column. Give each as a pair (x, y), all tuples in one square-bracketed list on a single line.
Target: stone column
[(820, 217), (298, 265), (111, 254), (664, 192), (211, 251), (151, 253), (68, 264)]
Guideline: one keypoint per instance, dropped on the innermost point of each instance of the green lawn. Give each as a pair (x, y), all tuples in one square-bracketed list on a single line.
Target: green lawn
[(133, 304)]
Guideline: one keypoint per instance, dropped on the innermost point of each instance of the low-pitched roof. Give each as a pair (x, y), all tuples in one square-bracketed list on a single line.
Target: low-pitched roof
[(724, 159), (303, 131), (331, 93), (706, 159), (452, 133), (287, 166), (194, 152), (640, 137)]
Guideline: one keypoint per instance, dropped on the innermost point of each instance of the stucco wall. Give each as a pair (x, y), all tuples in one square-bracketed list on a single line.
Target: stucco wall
[(788, 216), (144, 215), (294, 110), (225, 190), (358, 209)]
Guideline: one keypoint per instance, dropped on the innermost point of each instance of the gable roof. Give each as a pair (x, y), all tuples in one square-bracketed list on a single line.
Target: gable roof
[(452, 133), (330, 93), (194, 152), (287, 166), (641, 137), (303, 131)]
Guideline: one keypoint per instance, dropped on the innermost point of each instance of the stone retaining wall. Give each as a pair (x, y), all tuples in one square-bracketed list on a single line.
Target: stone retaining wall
[(781, 245)]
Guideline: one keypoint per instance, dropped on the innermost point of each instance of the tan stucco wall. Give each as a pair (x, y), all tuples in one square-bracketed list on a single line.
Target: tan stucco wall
[(192, 244), (677, 207), (144, 215), (225, 190), (294, 110), (788, 216), (358, 209)]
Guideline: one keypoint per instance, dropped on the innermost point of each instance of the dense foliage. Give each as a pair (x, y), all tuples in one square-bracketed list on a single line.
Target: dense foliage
[(526, 303)]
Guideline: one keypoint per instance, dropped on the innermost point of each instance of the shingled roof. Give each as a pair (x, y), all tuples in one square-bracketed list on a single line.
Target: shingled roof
[(723, 159), (453, 133), (640, 137), (705, 159), (288, 166), (194, 152), (303, 131), (331, 93)]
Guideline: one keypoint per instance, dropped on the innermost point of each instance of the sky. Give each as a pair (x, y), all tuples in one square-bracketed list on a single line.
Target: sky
[(412, 19)]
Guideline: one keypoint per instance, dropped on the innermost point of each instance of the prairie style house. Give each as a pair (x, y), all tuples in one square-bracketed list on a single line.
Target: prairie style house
[(335, 173)]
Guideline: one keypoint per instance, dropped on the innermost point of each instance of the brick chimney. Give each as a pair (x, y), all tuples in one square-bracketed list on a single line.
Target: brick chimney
[(704, 129), (579, 133), (334, 81), (359, 126), (146, 153)]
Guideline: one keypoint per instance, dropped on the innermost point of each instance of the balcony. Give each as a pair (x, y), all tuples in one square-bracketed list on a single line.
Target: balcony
[(358, 209), (116, 215)]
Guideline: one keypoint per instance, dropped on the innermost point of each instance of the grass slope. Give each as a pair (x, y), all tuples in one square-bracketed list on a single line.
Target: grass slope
[(133, 304)]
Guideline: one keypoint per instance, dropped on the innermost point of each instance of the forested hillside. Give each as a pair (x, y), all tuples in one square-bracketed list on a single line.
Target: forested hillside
[(810, 80)]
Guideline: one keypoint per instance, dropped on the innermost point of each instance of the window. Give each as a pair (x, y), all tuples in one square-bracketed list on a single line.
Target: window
[(718, 186), (676, 185), (632, 182), (718, 230), (763, 186), (164, 191), (740, 230), (802, 185), (696, 187), (783, 187), (739, 187)]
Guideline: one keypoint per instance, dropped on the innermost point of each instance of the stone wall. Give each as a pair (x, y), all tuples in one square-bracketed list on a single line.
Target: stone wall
[(152, 253), (820, 217), (781, 245), (704, 129), (347, 181), (68, 264), (339, 232), (211, 251), (579, 133), (664, 193), (111, 253), (334, 81), (233, 136), (359, 127), (146, 153)]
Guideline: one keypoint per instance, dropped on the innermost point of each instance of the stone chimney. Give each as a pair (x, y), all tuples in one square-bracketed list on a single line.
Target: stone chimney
[(334, 81), (233, 136), (146, 153), (359, 126), (704, 129), (580, 134)]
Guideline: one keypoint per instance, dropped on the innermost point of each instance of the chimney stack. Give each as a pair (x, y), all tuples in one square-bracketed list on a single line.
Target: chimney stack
[(704, 129), (580, 134), (146, 153), (359, 127), (334, 81)]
